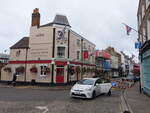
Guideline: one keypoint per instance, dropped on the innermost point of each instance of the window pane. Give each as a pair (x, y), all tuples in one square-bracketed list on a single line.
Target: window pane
[(78, 55), (61, 52)]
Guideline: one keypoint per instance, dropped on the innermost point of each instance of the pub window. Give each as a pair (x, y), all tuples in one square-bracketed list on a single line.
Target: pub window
[(78, 55), (89, 48), (78, 42), (84, 46), (43, 70), (61, 52)]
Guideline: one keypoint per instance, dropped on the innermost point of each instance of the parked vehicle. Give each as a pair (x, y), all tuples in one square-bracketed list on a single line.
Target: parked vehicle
[(90, 88)]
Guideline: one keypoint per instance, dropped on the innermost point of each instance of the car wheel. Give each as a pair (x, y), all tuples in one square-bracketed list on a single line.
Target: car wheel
[(93, 95), (109, 93)]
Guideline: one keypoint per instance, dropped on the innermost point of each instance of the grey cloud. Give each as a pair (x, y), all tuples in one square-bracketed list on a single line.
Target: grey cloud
[(97, 20)]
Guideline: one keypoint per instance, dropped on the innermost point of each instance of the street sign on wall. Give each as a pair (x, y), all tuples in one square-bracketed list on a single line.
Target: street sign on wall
[(138, 45)]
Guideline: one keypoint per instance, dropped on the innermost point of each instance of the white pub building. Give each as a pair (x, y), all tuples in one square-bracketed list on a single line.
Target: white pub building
[(53, 53)]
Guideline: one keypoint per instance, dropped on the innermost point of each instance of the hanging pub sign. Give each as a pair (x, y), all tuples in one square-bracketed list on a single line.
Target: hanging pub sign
[(138, 45), (61, 34), (85, 54)]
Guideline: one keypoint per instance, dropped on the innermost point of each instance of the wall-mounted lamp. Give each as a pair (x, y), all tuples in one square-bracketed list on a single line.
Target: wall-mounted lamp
[(68, 63), (52, 62)]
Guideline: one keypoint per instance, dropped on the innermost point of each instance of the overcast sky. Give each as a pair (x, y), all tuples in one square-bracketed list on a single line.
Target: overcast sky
[(100, 21)]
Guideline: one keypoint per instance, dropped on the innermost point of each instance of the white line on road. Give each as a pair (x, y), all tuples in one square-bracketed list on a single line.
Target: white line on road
[(43, 108)]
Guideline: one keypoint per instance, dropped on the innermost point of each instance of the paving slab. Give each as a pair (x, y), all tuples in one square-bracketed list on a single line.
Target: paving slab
[(139, 102)]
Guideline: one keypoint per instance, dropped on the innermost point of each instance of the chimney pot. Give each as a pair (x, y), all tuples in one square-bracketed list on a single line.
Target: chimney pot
[(36, 10), (35, 17)]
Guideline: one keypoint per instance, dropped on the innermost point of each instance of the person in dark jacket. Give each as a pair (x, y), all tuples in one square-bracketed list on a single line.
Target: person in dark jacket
[(14, 79)]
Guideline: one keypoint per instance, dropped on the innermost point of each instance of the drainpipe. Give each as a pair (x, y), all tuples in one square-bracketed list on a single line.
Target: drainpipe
[(68, 57), (26, 65), (53, 55), (81, 57)]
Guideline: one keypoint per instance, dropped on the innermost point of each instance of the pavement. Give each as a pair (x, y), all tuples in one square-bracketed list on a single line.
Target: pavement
[(64, 87), (138, 102)]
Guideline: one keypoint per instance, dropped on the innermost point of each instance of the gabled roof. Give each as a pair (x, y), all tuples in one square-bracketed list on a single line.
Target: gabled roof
[(59, 19), (23, 43)]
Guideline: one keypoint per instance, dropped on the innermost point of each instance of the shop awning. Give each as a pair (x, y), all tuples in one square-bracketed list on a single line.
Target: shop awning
[(136, 68), (103, 54)]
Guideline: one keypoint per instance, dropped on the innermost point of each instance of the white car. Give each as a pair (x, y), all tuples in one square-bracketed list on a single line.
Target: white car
[(90, 88)]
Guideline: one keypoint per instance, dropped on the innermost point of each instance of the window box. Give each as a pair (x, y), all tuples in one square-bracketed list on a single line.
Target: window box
[(78, 70), (7, 69), (34, 70), (20, 70)]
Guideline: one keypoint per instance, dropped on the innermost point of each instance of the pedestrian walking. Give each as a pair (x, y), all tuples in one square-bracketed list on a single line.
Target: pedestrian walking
[(140, 88), (14, 79)]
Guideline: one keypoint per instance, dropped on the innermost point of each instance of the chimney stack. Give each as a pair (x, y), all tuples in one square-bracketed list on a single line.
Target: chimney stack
[(36, 17)]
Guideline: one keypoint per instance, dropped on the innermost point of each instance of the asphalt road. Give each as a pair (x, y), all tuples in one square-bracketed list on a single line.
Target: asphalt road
[(13, 100)]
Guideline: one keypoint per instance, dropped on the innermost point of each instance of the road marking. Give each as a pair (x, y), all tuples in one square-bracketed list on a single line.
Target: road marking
[(124, 105), (125, 95), (43, 108)]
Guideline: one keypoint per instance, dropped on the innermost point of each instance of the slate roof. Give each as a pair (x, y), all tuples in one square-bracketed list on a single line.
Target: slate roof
[(45, 25), (23, 43), (59, 19)]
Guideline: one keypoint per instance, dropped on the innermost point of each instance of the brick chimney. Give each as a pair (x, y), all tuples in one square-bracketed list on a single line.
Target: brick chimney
[(35, 17)]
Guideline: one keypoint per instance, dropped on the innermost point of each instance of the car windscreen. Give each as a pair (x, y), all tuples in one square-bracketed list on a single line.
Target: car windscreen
[(86, 82)]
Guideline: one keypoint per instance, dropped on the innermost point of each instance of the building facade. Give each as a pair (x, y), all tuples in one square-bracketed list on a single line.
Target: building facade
[(4, 58), (103, 65), (126, 67), (53, 53), (143, 16), (115, 61)]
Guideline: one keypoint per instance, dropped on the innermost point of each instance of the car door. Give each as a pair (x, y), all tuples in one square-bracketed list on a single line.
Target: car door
[(107, 85), (103, 86), (97, 87)]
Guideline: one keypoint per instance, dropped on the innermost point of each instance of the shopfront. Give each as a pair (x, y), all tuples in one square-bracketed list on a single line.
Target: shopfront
[(145, 63)]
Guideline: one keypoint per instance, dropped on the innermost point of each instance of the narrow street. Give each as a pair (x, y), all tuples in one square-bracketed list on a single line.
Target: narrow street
[(13, 100), (55, 50)]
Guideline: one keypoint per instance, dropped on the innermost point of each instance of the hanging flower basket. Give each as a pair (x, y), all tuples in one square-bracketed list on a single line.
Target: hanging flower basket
[(93, 70), (7, 69), (47, 70), (83, 70), (34, 70), (71, 70), (78, 70), (88, 70), (20, 70)]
